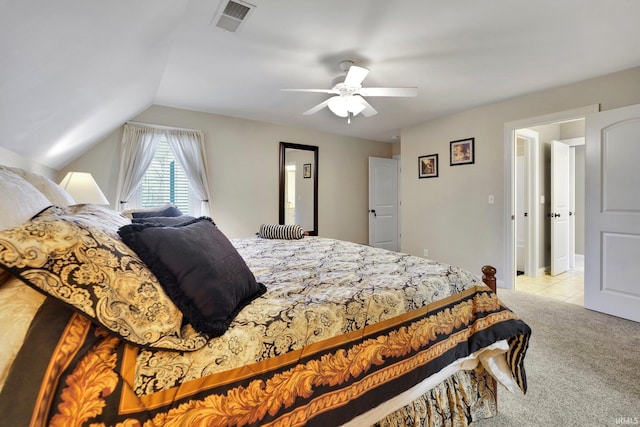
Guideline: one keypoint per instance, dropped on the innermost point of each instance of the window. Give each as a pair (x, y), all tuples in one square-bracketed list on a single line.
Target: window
[(164, 181)]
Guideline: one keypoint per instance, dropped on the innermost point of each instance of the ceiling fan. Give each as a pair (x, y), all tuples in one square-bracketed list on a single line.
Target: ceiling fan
[(348, 100)]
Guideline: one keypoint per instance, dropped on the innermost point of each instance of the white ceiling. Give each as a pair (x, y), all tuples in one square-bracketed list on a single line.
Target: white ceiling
[(74, 70)]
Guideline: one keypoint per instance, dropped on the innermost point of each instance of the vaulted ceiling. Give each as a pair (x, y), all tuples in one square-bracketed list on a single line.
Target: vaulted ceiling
[(74, 70)]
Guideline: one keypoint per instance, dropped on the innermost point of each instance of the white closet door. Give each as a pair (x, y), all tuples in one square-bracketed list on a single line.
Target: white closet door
[(612, 240)]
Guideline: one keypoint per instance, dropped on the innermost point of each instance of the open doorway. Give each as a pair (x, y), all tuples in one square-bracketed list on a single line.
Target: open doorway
[(556, 126), (549, 192)]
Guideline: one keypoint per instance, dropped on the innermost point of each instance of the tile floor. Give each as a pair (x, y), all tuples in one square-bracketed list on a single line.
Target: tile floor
[(567, 287)]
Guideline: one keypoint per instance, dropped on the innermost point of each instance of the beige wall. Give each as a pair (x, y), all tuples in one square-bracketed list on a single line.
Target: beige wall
[(242, 160), (15, 160), (396, 149), (450, 215)]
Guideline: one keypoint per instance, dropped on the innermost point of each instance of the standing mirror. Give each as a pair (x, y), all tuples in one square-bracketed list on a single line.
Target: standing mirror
[(299, 186)]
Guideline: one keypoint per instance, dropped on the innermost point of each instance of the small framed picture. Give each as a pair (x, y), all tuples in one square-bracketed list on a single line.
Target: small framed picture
[(306, 170), (428, 166), (462, 152)]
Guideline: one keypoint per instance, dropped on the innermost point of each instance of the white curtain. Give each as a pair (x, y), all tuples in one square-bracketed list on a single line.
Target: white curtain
[(188, 148), (139, 144)]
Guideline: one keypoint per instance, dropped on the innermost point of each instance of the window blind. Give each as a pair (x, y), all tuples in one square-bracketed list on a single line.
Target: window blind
[(165, 182)]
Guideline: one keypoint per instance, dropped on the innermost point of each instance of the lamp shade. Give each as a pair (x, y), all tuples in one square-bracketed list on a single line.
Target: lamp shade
[(83, 188)]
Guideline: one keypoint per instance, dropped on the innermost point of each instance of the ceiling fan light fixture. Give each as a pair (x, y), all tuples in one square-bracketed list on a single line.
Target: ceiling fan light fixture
[(354, 105), (343, 105), (338, 106)]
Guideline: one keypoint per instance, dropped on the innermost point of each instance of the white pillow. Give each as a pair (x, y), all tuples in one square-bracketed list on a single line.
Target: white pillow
[(19, 200), (57, 195)]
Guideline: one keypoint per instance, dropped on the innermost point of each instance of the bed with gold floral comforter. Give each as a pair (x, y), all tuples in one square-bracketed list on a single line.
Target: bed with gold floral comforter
[(342, 330)]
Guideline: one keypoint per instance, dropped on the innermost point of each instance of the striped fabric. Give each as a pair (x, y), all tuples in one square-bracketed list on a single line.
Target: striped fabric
[(278, 231)]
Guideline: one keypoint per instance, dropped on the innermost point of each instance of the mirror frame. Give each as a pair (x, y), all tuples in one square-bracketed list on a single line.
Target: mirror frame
[(283, 148)]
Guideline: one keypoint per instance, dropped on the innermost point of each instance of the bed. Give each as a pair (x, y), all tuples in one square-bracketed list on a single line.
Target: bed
[(318, 331)]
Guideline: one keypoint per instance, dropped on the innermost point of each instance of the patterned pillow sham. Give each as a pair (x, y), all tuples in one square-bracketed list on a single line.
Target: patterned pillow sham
[(4, 276), (279, 231), (73, 259)]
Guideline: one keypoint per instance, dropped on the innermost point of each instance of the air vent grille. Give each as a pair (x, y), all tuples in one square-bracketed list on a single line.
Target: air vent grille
[(236, 10), (231, 14)]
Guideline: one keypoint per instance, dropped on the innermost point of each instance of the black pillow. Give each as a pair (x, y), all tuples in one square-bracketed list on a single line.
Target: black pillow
[(170, 211), (199, 268), (164, 220)]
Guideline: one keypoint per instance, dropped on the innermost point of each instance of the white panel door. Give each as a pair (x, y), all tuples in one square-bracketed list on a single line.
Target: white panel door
[(572, 208), (560, 204), (612, 240), (521, 211), (383, 203)]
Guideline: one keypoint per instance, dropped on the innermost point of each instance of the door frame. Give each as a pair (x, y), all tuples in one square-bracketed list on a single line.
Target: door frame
[(532, 153), (509, 277), (398, 157)]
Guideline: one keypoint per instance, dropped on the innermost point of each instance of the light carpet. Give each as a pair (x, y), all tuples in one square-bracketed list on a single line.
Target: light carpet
[(583, 367)]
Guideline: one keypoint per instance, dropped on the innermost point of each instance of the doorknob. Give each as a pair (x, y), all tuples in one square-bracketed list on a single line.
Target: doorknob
[(373, 211), (556, 215)]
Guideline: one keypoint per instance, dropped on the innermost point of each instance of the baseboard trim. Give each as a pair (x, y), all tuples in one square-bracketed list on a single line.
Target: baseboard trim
[(578, 265)]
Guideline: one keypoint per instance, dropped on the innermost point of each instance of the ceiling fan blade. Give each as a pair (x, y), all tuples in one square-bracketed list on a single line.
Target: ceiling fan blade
[(388, 91), (355, 76), (310, 90), (368, 109), (317, 107)]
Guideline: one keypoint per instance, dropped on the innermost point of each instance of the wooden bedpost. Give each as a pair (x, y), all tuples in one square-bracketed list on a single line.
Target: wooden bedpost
[(489, 277)]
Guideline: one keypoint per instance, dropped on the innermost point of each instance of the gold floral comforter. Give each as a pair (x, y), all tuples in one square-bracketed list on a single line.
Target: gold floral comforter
[(341, 329)]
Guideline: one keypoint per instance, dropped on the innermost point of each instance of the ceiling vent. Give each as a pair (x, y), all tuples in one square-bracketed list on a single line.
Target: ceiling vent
[(231, 14)]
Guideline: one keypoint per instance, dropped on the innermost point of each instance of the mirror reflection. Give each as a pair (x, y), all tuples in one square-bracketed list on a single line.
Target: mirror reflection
[(299, 186)]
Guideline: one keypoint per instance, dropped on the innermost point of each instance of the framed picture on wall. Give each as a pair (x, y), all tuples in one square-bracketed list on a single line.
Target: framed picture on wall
[(428, 166), (306, 170), (462, 152)]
